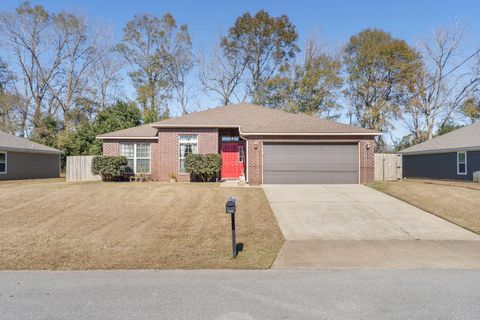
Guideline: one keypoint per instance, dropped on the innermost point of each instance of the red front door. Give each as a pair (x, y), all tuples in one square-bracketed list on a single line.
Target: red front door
[(233, 159)]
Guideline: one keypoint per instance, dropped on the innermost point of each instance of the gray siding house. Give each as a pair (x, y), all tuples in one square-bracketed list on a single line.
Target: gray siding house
[(24, 159), (452, 156)]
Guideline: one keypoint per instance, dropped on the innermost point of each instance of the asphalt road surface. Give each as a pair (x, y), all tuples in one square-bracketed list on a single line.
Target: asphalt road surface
[(238, 295)]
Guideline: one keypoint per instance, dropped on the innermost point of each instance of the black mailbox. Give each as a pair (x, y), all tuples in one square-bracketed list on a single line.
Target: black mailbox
[(231, 208), (231, 205)]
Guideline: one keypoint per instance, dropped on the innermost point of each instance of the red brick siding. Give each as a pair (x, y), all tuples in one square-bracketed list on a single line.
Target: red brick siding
[(164, 152), (112, 148), (367, 160), (255, 156), (168, 145), (254, 161)]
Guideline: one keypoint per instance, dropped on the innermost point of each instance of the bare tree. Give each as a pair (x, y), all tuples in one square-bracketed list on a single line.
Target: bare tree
[(38, 52), (145, 40), (9, 100), (221, 75), (444, 83), (80, 57), (106, 77), (180, 63)]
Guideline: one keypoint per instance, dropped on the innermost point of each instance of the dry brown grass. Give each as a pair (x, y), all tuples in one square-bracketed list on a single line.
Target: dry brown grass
[(460, 184), (457, 202), (96, 225)]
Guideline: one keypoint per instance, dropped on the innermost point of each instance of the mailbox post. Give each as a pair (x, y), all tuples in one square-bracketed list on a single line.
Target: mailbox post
[(231, 208)]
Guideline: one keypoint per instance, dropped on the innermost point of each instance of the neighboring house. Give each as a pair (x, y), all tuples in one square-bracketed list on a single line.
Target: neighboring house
[(455, 155), (266, 146), (24, 159)]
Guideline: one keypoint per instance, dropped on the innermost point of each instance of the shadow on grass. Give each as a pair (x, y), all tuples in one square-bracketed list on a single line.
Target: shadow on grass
[(239, 248)]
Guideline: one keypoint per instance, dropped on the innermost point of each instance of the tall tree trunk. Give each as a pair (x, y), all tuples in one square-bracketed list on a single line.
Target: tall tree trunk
[(37, 113)]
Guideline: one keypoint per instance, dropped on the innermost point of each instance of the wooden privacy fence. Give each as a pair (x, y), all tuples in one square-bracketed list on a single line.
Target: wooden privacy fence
[(79, 169), (388, 166)]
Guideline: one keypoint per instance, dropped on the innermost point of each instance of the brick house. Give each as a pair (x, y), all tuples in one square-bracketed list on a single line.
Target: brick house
[(263, 145)]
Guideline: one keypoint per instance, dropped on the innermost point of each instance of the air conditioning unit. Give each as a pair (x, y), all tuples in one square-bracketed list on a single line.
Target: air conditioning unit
[(476, 176)]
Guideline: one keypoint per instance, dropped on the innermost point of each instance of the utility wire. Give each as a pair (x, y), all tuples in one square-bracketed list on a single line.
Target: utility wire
[(452, 70)]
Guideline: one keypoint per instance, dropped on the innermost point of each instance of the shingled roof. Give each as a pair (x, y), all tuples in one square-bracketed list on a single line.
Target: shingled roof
[(250, 119), (10, 142), (141, 132), (466, 138)]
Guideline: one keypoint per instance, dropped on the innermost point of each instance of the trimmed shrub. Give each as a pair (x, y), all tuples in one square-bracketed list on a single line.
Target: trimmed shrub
[(204, 166), (109, 167)]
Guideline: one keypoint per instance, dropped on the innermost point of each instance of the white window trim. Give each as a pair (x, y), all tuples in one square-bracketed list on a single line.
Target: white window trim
[(458, 164), (135, 158), (178, 150), (144, 158), (6, 162)]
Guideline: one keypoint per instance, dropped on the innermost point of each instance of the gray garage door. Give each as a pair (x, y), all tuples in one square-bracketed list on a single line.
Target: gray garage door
[(310, 163)]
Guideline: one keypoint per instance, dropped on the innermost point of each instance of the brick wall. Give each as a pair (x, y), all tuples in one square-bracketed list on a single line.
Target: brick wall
[(164, 152), (254, 161), (367, 160), (169, 149), (112, 148), (255, 153)]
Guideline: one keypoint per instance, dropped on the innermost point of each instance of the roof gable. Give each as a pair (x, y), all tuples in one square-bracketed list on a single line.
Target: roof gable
[(461, 139)]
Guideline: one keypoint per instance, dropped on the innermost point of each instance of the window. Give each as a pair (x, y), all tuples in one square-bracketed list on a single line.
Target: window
[(142, 161), (3, 162), (128, 150), (187, 145), (240, 153), (138, 156), (462, 163)]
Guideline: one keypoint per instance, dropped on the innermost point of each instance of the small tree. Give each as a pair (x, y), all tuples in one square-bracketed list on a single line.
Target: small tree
[(205, 166), (109, 167)]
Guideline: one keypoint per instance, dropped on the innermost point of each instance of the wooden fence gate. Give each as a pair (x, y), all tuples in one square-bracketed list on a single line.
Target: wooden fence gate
[(388, 166), (79, 169)]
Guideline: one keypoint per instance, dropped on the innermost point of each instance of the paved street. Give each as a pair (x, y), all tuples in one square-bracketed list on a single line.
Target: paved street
[(238, 295)]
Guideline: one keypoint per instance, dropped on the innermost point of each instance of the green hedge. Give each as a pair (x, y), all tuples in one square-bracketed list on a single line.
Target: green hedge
[(110, 168), (204, 166)]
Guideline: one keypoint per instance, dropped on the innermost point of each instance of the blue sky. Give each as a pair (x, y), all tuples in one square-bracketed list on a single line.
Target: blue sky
[(336, 20)]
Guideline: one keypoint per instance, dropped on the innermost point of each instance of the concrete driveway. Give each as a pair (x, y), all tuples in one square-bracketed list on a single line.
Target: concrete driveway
[(327, 225), (354, 212)]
